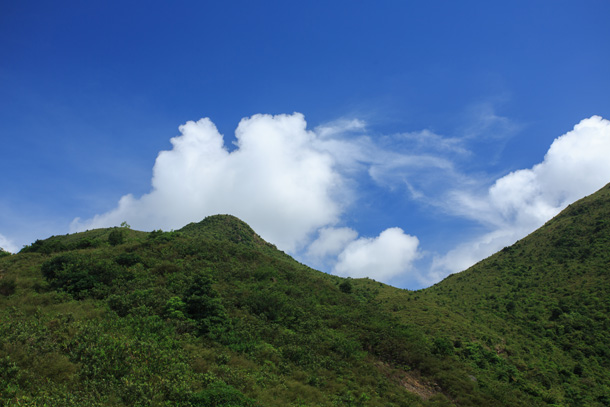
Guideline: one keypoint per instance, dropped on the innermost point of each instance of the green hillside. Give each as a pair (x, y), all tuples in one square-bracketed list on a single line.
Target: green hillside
[(536, 314), (212, 315)]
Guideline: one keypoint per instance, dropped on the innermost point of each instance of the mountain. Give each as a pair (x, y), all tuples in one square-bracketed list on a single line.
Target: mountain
[(536, 314), (212, 315)]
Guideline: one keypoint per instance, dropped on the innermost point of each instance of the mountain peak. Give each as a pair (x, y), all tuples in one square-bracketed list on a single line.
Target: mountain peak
[(224, 227)]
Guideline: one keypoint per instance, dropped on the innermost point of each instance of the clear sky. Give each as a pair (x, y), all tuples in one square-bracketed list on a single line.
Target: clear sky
[(399, 140)]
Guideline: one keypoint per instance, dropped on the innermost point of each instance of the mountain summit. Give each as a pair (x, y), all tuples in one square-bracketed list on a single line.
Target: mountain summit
[(223, 228)]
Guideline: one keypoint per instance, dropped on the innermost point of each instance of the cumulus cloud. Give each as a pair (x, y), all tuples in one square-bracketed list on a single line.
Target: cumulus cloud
[(382, 258), (287, 182), (294, 186), (330, 242), (7, 244), (575, 165), (276, 179)]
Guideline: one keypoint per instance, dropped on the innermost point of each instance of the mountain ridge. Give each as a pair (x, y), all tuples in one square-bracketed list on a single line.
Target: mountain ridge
[(93, 318)]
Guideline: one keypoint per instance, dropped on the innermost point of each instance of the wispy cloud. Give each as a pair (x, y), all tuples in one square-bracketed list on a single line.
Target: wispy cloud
[(430, 142), (486, 124), (575, 165), (7, 244), (296, 187)]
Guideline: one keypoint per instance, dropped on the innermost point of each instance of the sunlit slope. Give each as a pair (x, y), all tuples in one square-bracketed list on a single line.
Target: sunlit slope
[(536, 314)]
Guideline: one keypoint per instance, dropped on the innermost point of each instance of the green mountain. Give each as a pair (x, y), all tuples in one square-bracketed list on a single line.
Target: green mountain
[(212, 315)]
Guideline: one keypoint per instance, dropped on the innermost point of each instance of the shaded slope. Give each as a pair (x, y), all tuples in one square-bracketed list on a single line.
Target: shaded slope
[(208, 315)]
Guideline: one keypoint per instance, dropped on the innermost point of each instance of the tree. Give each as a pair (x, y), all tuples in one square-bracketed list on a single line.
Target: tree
[(202, 304), (346, 287)]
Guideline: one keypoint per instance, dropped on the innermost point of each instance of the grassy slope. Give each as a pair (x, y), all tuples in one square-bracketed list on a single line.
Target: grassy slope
[(209, 315), (542, 306), (213, 315)]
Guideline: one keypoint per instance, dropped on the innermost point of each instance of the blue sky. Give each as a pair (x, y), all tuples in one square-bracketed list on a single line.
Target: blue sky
[(398, 140)]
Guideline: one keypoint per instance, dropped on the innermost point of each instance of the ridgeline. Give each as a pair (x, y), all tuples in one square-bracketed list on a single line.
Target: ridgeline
[(212, 315)]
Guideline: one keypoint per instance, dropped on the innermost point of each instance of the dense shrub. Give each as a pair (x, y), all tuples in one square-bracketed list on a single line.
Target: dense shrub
[(81, 275), (7, 286), (203, 304), (128, 259), (116, 237), (220, 394), (346, 287)]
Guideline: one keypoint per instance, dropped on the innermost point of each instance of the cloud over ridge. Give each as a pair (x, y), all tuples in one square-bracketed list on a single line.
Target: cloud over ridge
[(382, 257), (575, 165), (276, 180), (296, 188)]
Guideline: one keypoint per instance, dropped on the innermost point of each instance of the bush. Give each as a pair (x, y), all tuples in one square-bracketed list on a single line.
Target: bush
[(128, 259), (80, 276), (44, 247), (346, 287), (7, 286), (203, 305), (442, 347), (221, 394), (116, 237)]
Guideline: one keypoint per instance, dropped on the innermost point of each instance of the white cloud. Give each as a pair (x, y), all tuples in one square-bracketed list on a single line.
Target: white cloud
[(330, 242), (285, 181), (382, 258), (427, 140), (7, 244), (276, 180), (575, 165), (392, 162), (487, 124), (340, 127), (292, 184)]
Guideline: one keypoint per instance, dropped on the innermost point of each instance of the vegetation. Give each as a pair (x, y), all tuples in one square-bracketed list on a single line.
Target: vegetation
[(212, 315)]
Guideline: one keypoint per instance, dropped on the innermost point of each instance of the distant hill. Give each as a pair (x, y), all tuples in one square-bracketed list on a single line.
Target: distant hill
[(212, 315)]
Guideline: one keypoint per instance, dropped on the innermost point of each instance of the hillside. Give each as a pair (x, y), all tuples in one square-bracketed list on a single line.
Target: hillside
[(536, 314), (212, 315)]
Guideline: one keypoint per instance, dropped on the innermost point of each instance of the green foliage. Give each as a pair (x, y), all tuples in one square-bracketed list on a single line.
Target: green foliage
[(56, 244), (116, 237), (175, 308), (7, 286), (442, 346), (82, 275), (220, 394), (201, 303), (128, 259), (213, 315), (346, 287)]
